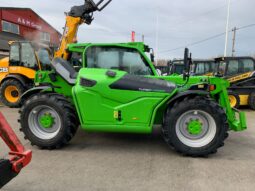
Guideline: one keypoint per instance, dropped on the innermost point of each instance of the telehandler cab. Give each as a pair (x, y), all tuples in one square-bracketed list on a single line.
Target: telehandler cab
[(119, 90)]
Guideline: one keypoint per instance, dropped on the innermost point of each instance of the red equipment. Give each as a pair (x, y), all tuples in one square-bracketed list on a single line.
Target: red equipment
[(19, 157)]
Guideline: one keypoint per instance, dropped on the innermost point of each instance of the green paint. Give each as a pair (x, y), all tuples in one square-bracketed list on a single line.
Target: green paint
[(195, 127), (140, 110), (47, 121)]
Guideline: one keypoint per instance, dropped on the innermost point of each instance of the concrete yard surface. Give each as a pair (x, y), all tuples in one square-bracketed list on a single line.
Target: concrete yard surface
[(125, 162)]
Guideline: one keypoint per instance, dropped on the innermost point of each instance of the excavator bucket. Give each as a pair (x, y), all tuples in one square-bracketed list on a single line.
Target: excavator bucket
[(18, 156)]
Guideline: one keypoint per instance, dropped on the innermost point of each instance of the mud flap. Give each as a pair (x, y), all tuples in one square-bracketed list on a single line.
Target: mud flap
[(6, 172)]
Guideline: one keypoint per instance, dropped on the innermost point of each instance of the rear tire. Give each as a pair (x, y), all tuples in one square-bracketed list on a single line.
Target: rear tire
[(234, 100), (251, 100), (48, 121), (195, 126), (10, 93)]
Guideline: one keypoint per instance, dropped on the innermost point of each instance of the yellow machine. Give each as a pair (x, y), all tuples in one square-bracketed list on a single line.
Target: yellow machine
[(18, 71), (240, 72)]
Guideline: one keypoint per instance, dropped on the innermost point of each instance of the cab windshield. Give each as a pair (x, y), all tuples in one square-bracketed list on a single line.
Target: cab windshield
[(118, 58)]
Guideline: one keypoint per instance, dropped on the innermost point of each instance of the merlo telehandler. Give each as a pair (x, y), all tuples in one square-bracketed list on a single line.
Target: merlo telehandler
[(118, 89)]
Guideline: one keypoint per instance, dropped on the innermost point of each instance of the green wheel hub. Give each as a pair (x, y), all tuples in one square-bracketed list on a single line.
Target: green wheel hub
[(47, 121), (195, 127)]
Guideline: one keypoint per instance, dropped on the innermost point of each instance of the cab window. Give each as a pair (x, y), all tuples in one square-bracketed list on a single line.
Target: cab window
[(202, 68), (14, 55), (28, 59), (222, 68), (248, 65), (125, 59), (233, 67)]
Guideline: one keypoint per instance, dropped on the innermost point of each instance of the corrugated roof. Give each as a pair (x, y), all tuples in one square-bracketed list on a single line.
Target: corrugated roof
[(28, 9)]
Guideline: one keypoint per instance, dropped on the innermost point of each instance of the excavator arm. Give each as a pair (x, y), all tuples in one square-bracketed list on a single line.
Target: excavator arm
[(18, 156), (76, 17)]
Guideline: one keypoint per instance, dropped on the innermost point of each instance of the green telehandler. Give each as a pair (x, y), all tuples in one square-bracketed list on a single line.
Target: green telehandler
[(117, 89)]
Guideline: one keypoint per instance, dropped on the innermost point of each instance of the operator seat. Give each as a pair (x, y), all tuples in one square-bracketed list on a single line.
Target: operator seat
[(65, 70)]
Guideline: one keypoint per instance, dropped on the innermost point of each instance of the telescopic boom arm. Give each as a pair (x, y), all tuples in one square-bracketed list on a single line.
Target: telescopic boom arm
[(77, 16)]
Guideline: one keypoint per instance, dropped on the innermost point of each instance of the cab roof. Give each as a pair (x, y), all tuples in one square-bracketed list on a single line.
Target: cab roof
[(79, 47)]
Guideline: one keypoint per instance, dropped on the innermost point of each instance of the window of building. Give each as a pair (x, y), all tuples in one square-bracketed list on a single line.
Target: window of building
[(45, 36), (10, 27)]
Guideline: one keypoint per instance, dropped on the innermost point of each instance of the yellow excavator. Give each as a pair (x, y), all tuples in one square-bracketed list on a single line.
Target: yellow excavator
[(17, 72)]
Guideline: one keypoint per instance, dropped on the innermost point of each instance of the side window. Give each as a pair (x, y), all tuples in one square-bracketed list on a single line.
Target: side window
[(222, 68), (76, 59), (44, 56), (117, 58), (28, 56), (248, 65), (233, 67), (200, 68), (213, 66), (14, 55)]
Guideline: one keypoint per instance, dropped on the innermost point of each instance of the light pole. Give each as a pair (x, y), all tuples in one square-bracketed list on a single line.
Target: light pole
[(227, 27)]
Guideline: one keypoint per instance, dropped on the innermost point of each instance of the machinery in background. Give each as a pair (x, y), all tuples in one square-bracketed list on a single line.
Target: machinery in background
[(240, 72), (199, 67), (17, 71), (18, 156)]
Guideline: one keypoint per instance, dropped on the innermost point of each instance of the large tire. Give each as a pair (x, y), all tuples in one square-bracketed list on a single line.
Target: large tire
[(48, 121), (209, 123), (251, 100), (234, 100), (10, 93)]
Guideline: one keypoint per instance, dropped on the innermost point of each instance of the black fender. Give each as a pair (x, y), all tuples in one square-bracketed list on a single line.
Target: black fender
[(21, 79), (182, 95), (35, 90)]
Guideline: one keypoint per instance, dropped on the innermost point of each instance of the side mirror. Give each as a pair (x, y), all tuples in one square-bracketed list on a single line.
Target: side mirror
[(152, 57), (187, 63)]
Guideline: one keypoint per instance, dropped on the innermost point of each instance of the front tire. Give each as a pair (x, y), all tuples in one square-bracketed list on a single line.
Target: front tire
[(48, 121), (195, 126), (10, 93), (234, 100)]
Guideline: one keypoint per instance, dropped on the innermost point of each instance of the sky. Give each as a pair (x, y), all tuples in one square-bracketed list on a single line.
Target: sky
[(168, 25)]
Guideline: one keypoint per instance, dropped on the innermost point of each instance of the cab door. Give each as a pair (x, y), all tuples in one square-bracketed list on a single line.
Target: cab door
[(112, 93), (23, 60)]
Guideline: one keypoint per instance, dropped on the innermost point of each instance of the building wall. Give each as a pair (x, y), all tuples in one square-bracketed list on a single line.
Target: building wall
[(30, 24)]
